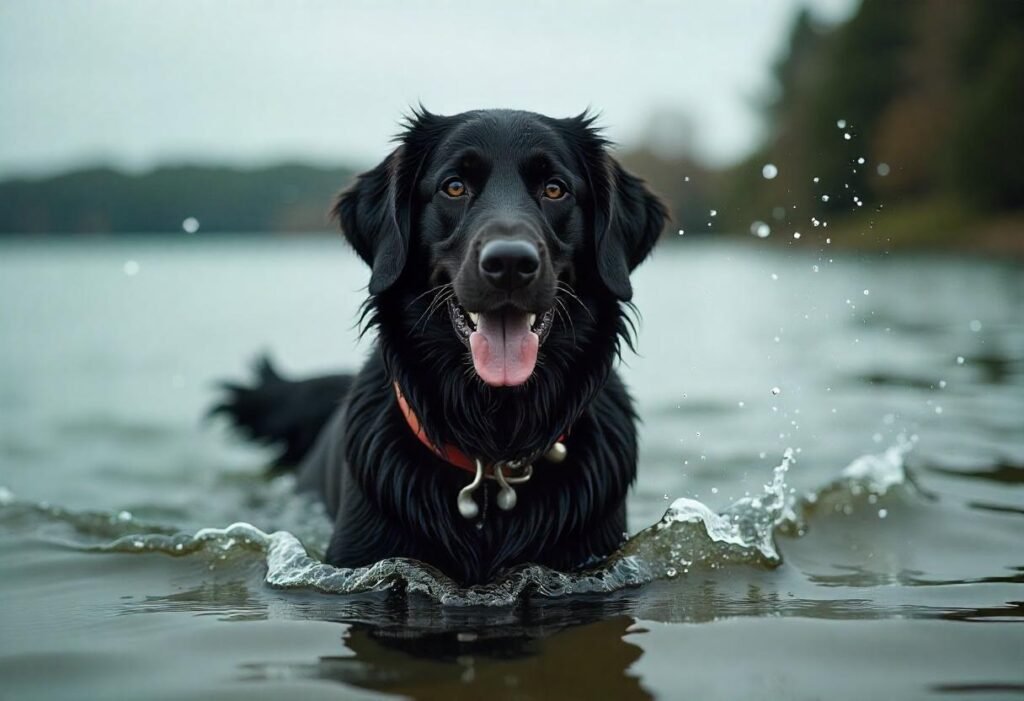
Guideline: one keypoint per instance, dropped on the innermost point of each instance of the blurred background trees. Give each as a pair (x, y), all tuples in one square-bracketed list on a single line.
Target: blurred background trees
[(899, 127), (929, 94)]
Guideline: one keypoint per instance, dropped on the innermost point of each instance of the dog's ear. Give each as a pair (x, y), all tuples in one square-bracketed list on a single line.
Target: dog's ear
[(628, 218), (368, 212), (376, 212), (629, 222)]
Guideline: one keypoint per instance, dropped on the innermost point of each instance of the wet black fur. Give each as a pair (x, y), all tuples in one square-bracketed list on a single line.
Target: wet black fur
[(389, 495)]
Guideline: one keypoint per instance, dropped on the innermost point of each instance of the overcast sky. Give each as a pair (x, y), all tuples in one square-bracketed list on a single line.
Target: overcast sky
[(139, 82)]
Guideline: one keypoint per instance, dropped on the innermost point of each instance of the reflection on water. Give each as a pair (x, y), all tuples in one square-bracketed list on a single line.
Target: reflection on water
[(123, 573), (1007, 474), (579, 662)]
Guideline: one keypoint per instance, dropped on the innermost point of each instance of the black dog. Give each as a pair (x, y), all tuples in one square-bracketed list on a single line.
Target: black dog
[(488, 428)]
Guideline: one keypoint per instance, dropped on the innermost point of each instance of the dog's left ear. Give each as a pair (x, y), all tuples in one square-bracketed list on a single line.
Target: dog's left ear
[(368, 212), (627, 217), (629, 221)]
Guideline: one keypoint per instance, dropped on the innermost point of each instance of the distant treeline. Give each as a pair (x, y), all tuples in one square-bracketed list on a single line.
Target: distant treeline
[(902, 126), (281, 198), (899, 127)]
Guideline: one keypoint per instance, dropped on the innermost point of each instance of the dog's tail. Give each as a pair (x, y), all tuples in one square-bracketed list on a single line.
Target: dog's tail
[(280, 412)]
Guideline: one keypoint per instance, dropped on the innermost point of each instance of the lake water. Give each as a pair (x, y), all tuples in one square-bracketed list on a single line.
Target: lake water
[(886, 560)]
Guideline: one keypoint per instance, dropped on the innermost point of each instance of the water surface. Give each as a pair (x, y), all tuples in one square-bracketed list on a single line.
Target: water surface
[(145, 556)]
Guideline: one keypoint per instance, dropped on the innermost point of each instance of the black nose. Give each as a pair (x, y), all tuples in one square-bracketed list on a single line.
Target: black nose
[(509, 263)]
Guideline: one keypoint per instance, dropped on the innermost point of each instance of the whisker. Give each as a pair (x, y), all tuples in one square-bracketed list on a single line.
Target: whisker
[(424, 294), (436, 303), (563, 313), (567, 289)]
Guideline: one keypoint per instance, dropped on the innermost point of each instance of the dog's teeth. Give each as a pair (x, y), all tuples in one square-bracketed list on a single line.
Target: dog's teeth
[(533, 319), (474, 317)]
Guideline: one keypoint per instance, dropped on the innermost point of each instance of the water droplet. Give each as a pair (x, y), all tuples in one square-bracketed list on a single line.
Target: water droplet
[(740, 404), (861, 160), (681, 232), (671, 572), (713, 212), (769, 171), (131, 268), (824, 198), (882, 513), (959, 360), (686, 179), (883, 169), (796, 234), (816, 179), (124, 516), (190, 225), (867, 292), (714, 490), (847, 136), (814, 268), (942, 384), (938, 410), (841, 123), (776, 391), (775, 276), (975, 326), (760, 230)]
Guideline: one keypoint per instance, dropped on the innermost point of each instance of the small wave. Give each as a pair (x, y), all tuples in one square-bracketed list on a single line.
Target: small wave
[(689, 537), (867, 479)]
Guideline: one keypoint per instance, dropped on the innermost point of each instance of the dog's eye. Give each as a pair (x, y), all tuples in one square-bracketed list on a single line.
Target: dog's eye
[(554, 189), (453, 187)]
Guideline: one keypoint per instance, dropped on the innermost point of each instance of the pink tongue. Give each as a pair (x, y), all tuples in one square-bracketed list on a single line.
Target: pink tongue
[(504, 349)]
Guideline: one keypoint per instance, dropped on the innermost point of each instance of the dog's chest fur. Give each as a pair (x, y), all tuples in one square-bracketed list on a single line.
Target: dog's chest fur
[(390, 497)]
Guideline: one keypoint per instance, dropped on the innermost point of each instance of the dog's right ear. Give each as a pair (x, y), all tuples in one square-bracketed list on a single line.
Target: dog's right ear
[(368, 212), (376, 214)]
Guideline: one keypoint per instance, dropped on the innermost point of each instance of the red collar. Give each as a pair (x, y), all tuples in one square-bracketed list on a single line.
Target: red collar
[(447, 452)]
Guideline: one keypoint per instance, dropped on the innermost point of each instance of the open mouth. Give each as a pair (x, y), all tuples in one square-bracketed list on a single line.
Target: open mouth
[(503, 342)]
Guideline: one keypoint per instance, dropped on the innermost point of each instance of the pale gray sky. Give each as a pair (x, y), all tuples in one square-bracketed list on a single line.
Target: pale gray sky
[(139, 82)]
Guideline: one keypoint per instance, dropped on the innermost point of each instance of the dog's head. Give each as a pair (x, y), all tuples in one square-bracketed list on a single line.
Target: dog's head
[(505, 222)]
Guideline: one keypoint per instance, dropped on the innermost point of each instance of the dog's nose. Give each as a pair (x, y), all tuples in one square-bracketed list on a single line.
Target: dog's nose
[(509, 263)]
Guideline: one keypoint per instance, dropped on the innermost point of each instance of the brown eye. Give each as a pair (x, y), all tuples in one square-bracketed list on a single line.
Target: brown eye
[(455, 188), (554, 190)]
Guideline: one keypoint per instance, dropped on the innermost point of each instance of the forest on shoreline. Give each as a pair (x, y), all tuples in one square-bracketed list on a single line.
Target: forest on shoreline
[(898, 128)]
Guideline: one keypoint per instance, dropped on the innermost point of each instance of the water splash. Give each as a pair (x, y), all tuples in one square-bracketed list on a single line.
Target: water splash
[(689, 537)]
